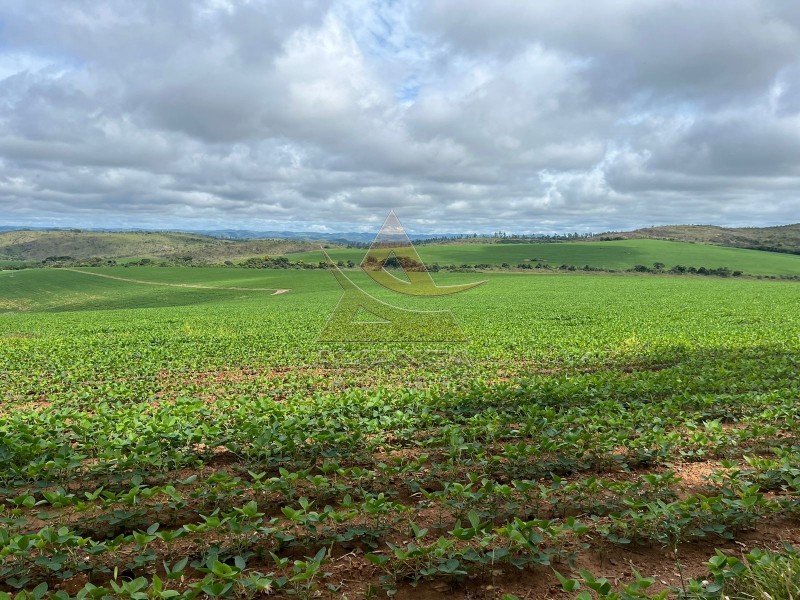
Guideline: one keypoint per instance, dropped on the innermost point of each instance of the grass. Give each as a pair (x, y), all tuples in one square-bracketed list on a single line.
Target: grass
[(623, 254), (38, 245), (766, 576), (785, 238)]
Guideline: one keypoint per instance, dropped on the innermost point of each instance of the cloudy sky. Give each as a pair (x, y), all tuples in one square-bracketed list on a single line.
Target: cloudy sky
[(461, 115)]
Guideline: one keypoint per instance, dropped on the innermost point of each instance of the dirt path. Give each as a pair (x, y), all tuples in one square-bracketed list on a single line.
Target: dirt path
[(275, 291)]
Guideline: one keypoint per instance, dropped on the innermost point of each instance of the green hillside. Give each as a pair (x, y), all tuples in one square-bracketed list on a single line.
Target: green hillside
[(81, 245), (781, 238), (112, 288), (68, 290), (624, 254)]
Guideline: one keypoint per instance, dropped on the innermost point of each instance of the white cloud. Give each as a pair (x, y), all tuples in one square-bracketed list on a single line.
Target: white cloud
[(459, 115)]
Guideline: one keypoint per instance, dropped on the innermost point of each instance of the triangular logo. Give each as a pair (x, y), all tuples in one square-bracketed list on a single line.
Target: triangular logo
[(392, 246), (393, 263), (394, 266)]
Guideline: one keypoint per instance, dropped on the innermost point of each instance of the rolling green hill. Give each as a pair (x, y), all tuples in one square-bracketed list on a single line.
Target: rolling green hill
[(125, 288), (112, 288), (624, 254), (783, 238), (81, 245)]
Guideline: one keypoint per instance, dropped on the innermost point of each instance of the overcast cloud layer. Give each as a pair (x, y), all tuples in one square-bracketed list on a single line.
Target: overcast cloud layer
[(461, 115)]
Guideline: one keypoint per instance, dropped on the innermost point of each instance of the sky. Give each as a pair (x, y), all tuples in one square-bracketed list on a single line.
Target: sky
[(460, 115)]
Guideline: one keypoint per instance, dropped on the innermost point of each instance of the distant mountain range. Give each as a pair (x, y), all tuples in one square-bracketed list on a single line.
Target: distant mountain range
[(345, 238)]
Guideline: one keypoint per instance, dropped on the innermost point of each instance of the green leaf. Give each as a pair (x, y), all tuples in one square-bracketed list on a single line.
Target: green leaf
[(568, 585)]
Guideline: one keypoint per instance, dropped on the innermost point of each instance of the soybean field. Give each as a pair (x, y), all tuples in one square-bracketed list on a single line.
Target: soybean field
[(181, 433)]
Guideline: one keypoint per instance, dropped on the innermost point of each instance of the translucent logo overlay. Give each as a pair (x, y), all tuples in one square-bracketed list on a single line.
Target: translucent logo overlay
[(391, 262)]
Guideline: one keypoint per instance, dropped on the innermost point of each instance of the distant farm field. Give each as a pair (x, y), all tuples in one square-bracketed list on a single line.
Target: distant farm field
[(199, 440), (623, 254)]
